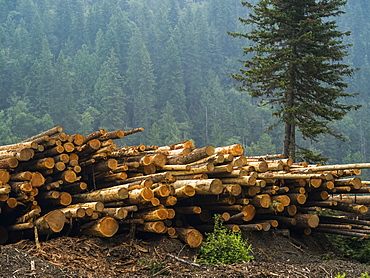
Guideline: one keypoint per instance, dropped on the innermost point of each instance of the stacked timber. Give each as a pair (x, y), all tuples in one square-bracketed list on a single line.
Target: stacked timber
[(55, 183)]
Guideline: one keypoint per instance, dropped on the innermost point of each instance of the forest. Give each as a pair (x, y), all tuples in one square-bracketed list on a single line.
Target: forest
[(162, 65)]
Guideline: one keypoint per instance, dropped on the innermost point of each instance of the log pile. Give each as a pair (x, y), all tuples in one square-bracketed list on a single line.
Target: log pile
[(60, 184)]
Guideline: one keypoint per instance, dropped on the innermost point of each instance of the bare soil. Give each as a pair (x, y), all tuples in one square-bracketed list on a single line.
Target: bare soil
[(152, 255)]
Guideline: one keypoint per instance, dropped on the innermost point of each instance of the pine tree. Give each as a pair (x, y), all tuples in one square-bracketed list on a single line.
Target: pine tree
[(109, 90), (139, 85), (298, 66)]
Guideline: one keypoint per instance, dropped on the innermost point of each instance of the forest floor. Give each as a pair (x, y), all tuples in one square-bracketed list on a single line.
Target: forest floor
[(154, 255)]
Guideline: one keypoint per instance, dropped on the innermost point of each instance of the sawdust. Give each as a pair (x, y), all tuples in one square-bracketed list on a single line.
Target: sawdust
[(124, 256)]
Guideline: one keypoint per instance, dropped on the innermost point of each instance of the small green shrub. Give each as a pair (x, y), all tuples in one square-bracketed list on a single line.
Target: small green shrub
[(224, 246), (340, 275), (365, 275)]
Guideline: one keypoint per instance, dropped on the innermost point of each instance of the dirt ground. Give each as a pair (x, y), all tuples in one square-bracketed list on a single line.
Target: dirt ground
[(151, 255)]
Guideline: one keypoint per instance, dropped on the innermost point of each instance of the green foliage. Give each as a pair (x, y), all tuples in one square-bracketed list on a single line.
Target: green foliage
[(88, 64), (364, 275), (357, 248), (297, 66), (224, 246), (154, 266)]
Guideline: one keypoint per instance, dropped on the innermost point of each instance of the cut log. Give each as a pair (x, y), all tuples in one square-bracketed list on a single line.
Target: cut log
[(94, 135), (153, 227), (90, 147), (341, 232), (175, 167), (249, 212), (9, 163), (117, 134), (57, 150), (75, 188), (116, 213), (283, 199), (104, 227), (52, 222), (339, 167), (244, 180), (169, 201), (209, 186), (235, 150), (297, 198), (24, 154), (140, 196), (152, 216), (161, 191), (259, 166), (39, 165), (307, 220), (48, 132), (354, 182), (4, 176), (37, 179), (29, 215), (67, 176), (194, 155), (190, 236), (73, 212), (261, 201), (251, 227), (359, 209), (188, 210), (233, 189), (102, 195)]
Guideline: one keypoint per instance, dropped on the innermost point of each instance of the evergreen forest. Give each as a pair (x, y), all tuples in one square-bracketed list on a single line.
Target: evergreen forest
[(164, 65)]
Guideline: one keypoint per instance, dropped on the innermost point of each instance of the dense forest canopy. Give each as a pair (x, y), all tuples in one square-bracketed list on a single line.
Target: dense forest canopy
[(162, 65)]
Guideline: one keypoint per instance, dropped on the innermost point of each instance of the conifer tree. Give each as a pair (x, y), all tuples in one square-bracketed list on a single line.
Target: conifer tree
[(297, 67)]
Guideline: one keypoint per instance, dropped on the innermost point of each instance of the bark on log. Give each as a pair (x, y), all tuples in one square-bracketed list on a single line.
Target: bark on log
[(48, 132), (140, 196), (244, 180), (235, 150), (194, 155), (153, 227), (133, 131), (355, 182), (184, 191), (152, 216), (24, 154), (188, 210), (116, 213), (102, 195), (340, 232), (210, 186), (307, 220), (261, 201)]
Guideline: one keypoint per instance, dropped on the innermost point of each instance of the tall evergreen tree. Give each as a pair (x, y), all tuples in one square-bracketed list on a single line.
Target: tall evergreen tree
[(85, 67), (41, 86), (110, 93), (140, 83), (298, 66), (63, 98)]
